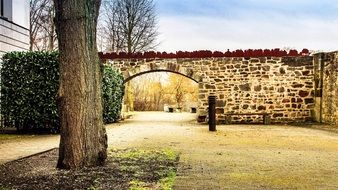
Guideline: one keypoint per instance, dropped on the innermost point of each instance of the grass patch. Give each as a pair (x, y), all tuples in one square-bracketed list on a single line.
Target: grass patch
[(168, 182), (2, 188), (147, 169), (8, 137), (5, 137), (136, 169)]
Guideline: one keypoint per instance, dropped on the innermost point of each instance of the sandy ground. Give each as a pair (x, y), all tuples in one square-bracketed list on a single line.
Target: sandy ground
[(13, 147), (234, 157)]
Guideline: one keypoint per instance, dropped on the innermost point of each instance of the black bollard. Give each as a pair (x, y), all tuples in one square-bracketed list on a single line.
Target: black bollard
[(212, 113)]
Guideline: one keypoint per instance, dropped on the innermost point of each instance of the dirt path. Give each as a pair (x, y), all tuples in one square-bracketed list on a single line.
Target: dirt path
[(236, 157), (19, 146)]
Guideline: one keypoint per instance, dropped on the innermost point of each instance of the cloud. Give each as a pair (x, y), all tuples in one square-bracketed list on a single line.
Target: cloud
[(241, 24), (238, 8), (204, 32)]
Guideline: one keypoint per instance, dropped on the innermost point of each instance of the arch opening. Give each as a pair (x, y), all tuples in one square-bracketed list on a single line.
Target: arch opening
[(161, 90)]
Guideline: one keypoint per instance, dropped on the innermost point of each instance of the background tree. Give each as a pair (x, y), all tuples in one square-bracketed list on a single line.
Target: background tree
[(150, 92), (129, 97), (157, 96), (181, 90), (83, 137), (42, 27), (129, 25)]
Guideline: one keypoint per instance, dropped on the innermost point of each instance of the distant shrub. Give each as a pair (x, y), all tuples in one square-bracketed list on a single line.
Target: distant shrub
[(29, 85)]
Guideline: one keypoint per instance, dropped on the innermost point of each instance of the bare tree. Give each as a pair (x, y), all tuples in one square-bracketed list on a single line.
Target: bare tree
[(42, 28), (83, 137), (158, 96), (181, 90), (179, 94), (129, 25)]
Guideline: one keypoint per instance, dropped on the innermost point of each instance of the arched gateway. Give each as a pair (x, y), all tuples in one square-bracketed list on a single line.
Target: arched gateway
[(251, 82), (134, 69)]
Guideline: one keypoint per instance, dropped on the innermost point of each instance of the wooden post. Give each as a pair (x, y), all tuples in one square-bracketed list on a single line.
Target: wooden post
[(212, 113)]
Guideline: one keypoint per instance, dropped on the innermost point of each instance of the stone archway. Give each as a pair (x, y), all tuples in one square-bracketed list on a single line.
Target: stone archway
[(152, 71), (134, 69), (130, 70)]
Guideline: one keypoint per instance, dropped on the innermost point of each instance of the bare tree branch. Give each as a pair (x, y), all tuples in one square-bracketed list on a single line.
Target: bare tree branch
[(129, 25), (42, 28)]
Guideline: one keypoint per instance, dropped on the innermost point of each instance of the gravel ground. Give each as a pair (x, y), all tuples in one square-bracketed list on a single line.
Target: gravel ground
[(236, 156), (14, 146)]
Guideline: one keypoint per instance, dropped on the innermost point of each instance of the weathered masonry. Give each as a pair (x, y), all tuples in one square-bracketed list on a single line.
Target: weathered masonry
[(326, 87), (276, 83)]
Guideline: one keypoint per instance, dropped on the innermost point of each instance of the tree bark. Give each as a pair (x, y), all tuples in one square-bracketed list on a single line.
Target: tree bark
[(83, 137)]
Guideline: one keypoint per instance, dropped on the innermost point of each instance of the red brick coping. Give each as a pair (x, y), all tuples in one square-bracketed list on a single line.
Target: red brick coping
[(206, 54)]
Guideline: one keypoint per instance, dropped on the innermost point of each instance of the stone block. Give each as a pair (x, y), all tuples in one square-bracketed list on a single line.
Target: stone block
[(237, 66), (245, 106), (298, 73), (230, 66), (235, 108), (254, 60), (309, 101), (266, 68), (219, 111), (305, 73), (245, 87), (282, 71), (220, 103), (260, 108), (209, 86), (296, 100), (297, 85), (258, 88), (303, 93), (286, 100), (277, 115)]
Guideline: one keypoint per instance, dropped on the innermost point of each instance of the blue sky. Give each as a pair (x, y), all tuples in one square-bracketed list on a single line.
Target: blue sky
[(242, 24)]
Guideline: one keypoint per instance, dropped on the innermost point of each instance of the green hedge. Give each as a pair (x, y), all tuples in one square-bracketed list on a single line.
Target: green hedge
[(112, 94), (29, 84)]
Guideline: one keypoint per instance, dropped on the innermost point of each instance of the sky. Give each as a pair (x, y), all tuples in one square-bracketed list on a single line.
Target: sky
[(190, 25)]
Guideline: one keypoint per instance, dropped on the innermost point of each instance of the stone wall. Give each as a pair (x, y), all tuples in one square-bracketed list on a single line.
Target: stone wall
[(326, 85), (281, 86)]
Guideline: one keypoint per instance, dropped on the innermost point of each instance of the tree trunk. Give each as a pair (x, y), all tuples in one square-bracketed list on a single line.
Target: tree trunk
[(83, 136)]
